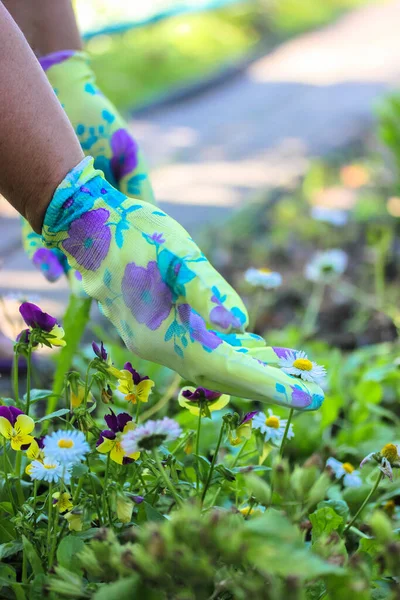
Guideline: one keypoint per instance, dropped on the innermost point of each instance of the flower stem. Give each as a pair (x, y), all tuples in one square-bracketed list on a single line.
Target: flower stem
[(163, 400), (313, 308), (283, 442), (54, 542), (106, 500), (214, 460), (167, 481), (97, 506), (137, 411), (78, 490), (363, 505), (28, 377), (15, 378), (21, 498), (239, 454), (49, 515), (197, 449), (7, 482)]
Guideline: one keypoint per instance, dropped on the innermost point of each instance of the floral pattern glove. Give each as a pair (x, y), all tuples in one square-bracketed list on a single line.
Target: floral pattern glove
[(103, 134), (167, 302)]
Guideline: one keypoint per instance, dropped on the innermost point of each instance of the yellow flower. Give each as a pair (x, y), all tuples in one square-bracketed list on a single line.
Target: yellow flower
[(124, 509), (196, 399), (63, 501), (135, 388), (247, 512), (75, 520), (34, 452), (17, 430), (113, 446), (390, 451), (77, 398), (56, 336)]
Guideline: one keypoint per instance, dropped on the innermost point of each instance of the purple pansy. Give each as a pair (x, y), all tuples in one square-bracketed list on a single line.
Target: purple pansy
[(10, 413), (124, 154), (89, 239), (138, 499), (197, 328), (47, 262), (135, 375), (55, 58), (201, 394), (248, 417), (116, 424), (24, 336), (34, 317), (146, 295), (100, 351)]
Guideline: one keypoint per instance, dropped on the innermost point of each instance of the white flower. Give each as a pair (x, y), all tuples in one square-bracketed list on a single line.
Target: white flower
[(325, 266), (150, 435), (296, 363), (66, 446), (49, 470), (263, 278), (272, 427), (334, 216), (351, 477)]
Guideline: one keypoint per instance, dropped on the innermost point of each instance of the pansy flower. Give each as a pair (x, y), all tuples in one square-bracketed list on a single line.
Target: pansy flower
[(105, 358), (100, 351), (134, 387), (272, 427), (387, 458), (296, 363), (351, 477), (66, 446), (16, 427), (202, 399), (74, 519), (36, 319), (62, 501), (151, 435), (35, 451), (77, 395), (110, 439), (242, 431)]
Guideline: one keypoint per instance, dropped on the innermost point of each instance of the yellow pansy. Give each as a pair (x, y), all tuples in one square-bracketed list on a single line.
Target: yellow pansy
[(196, 399), (34, 452), (56, 336), (16, 427), (124, 509), (77, 398), (63, 501), (75, 520), (110, 439), (134, 387)]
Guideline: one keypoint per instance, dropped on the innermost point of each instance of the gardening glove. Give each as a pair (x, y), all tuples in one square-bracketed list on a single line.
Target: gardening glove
[(167, 302), (103, 134)]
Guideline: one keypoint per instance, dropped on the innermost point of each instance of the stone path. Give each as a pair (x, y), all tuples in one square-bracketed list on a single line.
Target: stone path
[(210, 153)]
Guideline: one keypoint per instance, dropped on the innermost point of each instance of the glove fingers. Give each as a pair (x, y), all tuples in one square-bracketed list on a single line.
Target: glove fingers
[(242, 340)]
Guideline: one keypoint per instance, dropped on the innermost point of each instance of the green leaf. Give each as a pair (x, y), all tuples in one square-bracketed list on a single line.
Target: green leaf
[(203, 464), (368, 392), (32, 555), (258, 488), (74, 323), (152, 514), (79, 470), (339, 506), (67, 552), (9, 549), (37, 395), (58, 413), (7, 575), (124, 589), (324, 521)]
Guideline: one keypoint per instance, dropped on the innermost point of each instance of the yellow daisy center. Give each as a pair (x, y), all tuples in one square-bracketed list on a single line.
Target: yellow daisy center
[(264, 271), (65, 443), (303, 364), (348, 467), (273, 422), (390, 452), (50, 466)]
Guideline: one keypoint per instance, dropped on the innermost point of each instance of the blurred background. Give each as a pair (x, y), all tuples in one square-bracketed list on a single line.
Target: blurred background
[(272, 130)]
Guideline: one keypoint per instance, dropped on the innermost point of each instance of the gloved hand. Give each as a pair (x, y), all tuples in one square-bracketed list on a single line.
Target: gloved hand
[(167, 302), (103, 134)]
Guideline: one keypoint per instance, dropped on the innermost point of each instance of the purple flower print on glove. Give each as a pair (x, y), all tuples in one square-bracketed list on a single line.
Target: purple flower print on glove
[(124, 149), (146, 295), (197, 328), (89, 239), (223, 317)]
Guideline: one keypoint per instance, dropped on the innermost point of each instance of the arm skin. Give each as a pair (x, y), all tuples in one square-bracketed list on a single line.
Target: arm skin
[(38, 146)]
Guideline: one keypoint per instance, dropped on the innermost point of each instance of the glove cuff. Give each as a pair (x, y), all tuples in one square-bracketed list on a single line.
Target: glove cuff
[(68, 67)]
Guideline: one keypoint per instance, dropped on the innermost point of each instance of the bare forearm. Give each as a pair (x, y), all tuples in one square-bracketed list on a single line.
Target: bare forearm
[(37, 143)]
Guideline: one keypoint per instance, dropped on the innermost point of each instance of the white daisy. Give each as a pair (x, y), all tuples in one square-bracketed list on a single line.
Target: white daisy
[(296, 363), (325, 266), (150, 435), (272, 427), (66, 447), (49, 470), (351, 477), (334, 216), (263, 278)]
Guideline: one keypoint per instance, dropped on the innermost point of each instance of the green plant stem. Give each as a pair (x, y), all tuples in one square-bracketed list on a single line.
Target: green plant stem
[(283, 442), (7, 482), (363, 505), (165, 398), (15, 378), (87, 388), (198, 449), (239, 454), (49, 514), (54, 541), (35, 489), (24, 567), (313, 308), (106, 504), (97, 506), (214, 460), (28, 377), (166, 479), (78, 490), (257, 304), (21, 498), (137, 411)]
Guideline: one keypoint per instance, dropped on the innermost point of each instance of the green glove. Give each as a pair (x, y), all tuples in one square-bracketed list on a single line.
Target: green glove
[(103, 134), (167, 302)]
